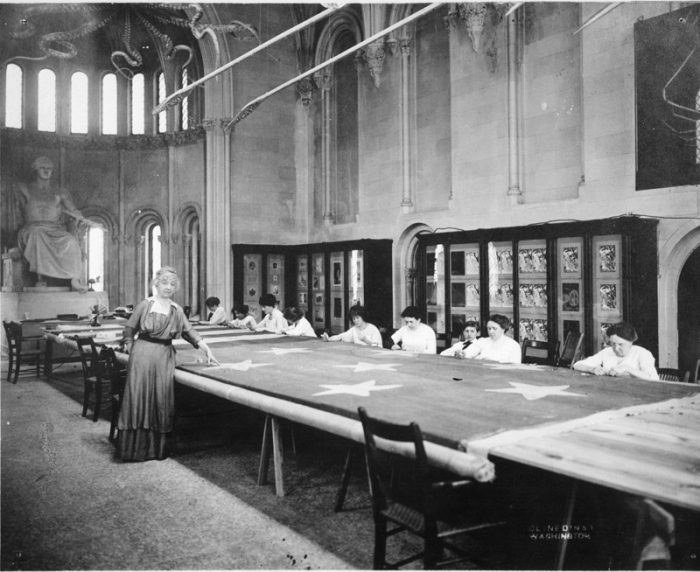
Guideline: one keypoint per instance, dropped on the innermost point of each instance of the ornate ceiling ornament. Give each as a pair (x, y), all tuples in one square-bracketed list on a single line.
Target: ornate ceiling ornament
[(160, 23)]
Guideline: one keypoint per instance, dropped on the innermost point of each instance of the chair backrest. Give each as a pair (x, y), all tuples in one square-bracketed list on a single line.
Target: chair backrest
[(670, 374), (88, 355), (571, 350), (539, 352), (113, 370), (11, 334), (382, 463), (67, 316)]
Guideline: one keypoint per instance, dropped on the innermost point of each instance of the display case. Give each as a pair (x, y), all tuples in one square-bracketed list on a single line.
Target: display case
[(324, 280), (549, 279)]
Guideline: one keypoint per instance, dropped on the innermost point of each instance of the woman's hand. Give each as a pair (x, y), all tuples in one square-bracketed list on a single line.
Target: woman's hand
[(324, 337), (396, 347)]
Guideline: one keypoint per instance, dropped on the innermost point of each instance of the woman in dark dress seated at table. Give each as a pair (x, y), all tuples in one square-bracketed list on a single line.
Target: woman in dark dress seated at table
[(621, 358), (148, 407)]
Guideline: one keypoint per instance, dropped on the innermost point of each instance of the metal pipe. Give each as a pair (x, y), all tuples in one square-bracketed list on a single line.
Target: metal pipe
[(177, 96), (252, 105), (599, 14)]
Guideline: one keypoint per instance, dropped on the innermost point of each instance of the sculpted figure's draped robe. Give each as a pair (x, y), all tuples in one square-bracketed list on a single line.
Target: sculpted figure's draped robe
[(44, 239)]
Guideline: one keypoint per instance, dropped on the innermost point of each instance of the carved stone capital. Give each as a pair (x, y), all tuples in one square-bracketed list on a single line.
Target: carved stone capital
[(451, 20), (405, 44), (393, 44), (375, 61), (322, 78), (305, 89), (473, 14)]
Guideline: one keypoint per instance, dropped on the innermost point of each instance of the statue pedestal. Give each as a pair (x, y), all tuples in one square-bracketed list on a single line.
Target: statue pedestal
[(14, 271), (47, 303)]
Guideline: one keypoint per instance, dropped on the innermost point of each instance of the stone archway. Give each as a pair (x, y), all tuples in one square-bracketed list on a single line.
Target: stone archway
[(674, 254)]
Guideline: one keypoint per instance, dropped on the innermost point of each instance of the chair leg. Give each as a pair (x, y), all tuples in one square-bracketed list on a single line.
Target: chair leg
[(347, 471), (98, 400), (9, 369), (432, 546), (379, 544), (18, 364), (86, 397)]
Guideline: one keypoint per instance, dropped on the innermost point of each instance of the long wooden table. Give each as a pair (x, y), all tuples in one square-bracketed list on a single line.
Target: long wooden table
[(630, 435)]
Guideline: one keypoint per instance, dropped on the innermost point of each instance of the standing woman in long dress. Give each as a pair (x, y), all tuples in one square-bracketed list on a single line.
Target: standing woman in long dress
[(147, 415)]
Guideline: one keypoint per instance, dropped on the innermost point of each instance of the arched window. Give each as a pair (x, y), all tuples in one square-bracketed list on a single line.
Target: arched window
[(162, 116), (185, 105), (109, 104), (46, 92), (152, 255), (191, 255), (13, 96), (95, 258), (137, 105), (79, 103)]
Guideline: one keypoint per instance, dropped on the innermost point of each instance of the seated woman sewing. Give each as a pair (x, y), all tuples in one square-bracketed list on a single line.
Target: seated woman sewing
[(621, 358)]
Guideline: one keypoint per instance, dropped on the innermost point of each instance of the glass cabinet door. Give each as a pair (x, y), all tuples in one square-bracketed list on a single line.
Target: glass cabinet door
[(501, 295), (607, 296), (356, 287), (532, 291), (465, 286), (337, 278), (570, 287), (252, 283), (275, 277), (435, 287), (303, 283), (318, 287)]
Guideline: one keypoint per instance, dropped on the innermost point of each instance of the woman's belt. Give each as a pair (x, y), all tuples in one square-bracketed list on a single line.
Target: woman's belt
[(147, 338)]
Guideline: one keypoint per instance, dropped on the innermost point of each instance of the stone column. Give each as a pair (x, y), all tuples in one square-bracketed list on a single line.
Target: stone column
[(406, 202), (514, 108), (217, 212), (323, 80)]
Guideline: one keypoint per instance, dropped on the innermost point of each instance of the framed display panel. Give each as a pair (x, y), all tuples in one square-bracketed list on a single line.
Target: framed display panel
[(435, 288), (501, 285), (549, 278), (533, 291), (570, 286), (338, 292), (275, 278), (302, 282), (318, 291), (252, 283), (356, 287), (608, 293), (465, 286)]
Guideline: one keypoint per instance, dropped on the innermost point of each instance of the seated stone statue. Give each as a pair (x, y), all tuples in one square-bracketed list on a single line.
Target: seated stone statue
[(45, 240)]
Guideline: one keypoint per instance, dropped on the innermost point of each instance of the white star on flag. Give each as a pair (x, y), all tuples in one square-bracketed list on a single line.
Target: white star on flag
[(282, 351), (360, 389), (364, 366), (241, 365), (532, 392)]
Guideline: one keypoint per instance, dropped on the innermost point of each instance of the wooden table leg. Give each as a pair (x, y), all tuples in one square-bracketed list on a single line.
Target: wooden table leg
[(278, 456), (264, 453), (272, 436), (48, 358)]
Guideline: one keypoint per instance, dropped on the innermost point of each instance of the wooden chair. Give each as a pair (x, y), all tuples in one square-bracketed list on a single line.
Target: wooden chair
[(407, 498), (94, 375), (670, 374), (571, 352), (22, 349), (116, 373), (539, 352)]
